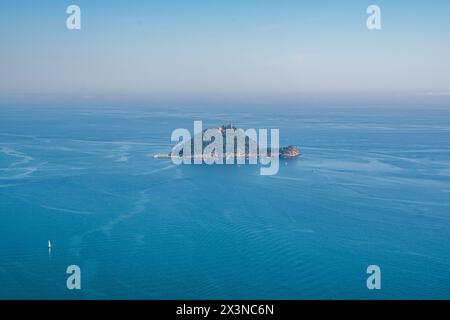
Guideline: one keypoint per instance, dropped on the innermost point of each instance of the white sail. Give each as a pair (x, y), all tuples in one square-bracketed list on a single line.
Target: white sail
[(49, 244)]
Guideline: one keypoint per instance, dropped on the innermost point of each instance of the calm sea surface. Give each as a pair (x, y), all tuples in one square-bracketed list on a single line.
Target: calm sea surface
[(372, 187)]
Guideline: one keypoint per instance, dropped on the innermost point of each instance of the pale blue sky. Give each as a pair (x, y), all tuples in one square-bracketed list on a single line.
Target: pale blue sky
[(234, 51)]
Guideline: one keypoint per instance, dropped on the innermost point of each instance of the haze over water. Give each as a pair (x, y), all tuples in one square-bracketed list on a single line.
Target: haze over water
[(372, 187)]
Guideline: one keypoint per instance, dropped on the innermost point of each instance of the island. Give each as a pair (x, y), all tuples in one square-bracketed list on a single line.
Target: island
[(247, 149)]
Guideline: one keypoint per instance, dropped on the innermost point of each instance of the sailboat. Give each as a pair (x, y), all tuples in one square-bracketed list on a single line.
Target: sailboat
[(49, 244)]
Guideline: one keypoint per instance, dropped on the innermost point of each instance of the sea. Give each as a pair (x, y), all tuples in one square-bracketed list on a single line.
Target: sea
[(372, 187)]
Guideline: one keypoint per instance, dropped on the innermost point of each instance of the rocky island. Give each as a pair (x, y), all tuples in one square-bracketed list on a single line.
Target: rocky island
[(248, 148)]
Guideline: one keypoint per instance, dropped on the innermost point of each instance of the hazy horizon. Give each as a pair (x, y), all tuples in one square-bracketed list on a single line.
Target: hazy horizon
[(253, 52)]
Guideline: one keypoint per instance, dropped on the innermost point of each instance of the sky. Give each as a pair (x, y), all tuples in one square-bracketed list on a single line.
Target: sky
[(227, 51)]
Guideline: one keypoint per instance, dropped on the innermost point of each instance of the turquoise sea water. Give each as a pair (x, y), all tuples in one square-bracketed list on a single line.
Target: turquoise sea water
[(372, 187)]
